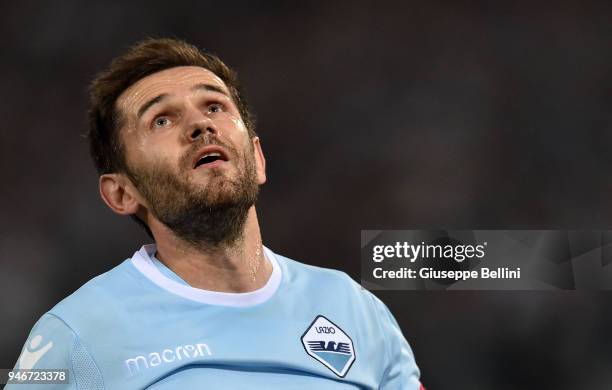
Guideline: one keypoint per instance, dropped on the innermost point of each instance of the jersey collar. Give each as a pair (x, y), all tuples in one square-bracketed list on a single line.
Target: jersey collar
[(143, 262)]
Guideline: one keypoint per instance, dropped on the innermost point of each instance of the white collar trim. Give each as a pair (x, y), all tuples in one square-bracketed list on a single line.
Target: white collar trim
[(143, 263)]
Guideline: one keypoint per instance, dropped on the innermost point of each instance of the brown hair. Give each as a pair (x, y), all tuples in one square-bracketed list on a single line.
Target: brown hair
[(145, 58)]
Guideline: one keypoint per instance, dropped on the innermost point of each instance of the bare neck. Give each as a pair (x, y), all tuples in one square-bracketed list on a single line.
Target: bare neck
[(241, 267)]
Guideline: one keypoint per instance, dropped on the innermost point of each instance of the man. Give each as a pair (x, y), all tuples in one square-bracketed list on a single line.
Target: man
[(207, 306)]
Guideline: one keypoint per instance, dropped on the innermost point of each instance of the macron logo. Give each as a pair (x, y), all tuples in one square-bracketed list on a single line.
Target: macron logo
[(154, 359), (31, 353)]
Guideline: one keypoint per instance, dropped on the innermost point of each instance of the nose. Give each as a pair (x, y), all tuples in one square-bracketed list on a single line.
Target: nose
[(199, 125), (199, 131)]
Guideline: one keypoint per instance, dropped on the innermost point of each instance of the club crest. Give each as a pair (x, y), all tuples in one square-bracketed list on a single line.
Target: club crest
[(330, 345)]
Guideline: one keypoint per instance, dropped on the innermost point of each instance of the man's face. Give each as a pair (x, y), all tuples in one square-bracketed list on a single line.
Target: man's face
[(189, 154)]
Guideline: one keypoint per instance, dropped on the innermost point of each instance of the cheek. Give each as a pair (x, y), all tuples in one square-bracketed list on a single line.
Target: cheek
[(236, 133), (162, 158), (141, 148), (133, 147), (239, 125), (138, 143)]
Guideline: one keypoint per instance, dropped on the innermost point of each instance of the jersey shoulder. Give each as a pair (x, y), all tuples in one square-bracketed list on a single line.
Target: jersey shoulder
[(53, 345), (294, 270), (327, 281), (103, 294)]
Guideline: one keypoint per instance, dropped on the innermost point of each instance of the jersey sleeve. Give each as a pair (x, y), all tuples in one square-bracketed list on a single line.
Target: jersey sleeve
[(53, 345), (401, 371)]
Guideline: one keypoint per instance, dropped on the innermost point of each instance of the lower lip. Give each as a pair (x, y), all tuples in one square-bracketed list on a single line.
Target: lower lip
[(214, 164)]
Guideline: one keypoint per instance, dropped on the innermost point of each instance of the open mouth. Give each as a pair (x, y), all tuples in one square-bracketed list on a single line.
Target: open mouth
[(210, 158)]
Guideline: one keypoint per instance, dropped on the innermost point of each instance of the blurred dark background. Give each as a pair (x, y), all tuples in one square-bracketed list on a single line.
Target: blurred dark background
[(372, 115)]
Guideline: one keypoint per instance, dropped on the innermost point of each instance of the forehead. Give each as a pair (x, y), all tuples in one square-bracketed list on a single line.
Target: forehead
[(172, 81)]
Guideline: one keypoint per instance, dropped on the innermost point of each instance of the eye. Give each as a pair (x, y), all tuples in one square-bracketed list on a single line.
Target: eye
[(215, 107), (161, 121)]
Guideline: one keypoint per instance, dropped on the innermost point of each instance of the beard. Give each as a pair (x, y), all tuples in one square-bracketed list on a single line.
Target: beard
[(212, 216)]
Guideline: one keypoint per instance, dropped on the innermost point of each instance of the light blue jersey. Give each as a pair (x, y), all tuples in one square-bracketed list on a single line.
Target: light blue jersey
[(141, 326)]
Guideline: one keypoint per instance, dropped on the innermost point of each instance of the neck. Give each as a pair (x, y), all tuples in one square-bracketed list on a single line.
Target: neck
[(237, 267)]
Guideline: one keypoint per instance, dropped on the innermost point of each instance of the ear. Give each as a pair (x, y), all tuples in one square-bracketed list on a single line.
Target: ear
[(260, 161), (118, 193)]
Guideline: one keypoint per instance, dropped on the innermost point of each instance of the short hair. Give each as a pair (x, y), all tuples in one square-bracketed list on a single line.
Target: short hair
[(145, 58)]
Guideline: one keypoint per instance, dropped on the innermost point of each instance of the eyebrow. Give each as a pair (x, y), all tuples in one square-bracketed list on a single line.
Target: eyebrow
[(210, 88), (159, 98), (150, 103)]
